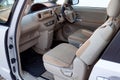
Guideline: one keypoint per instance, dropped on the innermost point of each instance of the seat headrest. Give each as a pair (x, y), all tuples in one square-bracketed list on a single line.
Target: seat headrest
[(113, 9)]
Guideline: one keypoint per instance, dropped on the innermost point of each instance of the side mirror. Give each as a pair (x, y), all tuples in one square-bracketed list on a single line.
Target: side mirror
[(74, 2)]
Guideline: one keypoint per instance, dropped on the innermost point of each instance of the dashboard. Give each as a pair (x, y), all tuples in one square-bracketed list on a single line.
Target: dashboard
[(45, 10), (44, 14), (41, 18), (41, 6), (37, 7)]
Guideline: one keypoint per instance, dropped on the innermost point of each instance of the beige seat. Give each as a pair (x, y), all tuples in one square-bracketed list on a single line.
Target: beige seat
[(79, 37), (29, 32), (66, 62), (61, 60)]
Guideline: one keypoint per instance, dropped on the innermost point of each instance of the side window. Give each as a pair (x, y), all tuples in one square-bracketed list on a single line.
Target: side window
[(93, 3), (5, 9)]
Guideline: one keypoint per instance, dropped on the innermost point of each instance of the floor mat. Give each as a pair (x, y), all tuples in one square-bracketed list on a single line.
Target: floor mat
[(47, 75), (32, 63)]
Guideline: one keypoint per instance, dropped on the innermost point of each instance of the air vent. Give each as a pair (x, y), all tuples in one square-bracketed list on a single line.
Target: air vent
[(39, 15)]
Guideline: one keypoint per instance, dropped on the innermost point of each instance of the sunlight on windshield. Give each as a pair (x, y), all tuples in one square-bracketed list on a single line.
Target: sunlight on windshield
[(60, 1), (41, 1), (93, 3)]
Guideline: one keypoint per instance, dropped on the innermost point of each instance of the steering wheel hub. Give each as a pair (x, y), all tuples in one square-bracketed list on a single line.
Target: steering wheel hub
[(68, 13)]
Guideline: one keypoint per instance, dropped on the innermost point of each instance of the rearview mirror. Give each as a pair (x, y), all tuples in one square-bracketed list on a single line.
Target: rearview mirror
[(74, 2)]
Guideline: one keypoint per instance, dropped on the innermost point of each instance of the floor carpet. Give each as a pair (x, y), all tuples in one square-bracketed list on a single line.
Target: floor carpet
[(32, 63)]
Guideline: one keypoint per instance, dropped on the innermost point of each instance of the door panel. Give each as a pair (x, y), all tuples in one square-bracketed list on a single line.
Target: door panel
[(91, 18)]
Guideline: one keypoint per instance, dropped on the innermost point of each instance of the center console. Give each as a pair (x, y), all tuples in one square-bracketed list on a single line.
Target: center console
[(47, 22)]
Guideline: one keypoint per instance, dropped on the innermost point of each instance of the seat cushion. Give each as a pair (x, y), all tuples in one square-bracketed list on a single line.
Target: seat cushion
[(61, 56), (78, 37)]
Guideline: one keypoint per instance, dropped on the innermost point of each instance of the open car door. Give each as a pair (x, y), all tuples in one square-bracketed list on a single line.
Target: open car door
[(10, 16)]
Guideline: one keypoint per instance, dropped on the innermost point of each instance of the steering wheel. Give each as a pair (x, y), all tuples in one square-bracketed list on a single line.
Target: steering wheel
[(68, 13)]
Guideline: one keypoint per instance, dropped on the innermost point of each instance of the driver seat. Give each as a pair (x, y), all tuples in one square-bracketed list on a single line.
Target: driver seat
[(66, 62), (79, 37)]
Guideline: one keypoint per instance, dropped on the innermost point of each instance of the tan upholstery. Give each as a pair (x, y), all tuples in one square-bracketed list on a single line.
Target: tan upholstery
[(54, 56), (79, 37), (113, 9), (29, 32), (83, 48), (96, 43), (57, 59), (78, 67)]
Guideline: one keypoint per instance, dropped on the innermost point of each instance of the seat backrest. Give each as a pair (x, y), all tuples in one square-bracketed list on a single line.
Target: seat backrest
[(92, 48)]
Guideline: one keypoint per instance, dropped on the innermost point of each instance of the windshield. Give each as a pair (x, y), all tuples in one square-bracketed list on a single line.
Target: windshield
[(53, 1), (40, 1), (5, 9), (60, 1)]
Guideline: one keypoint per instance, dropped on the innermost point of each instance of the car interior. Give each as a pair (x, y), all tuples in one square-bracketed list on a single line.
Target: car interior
[(64, 41)]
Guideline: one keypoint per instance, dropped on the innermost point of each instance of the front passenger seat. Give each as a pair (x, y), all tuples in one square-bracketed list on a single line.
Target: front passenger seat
[(66, 62)]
